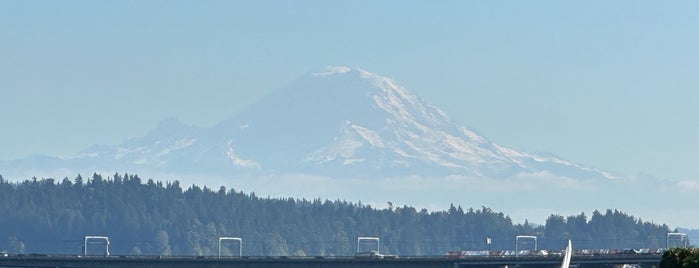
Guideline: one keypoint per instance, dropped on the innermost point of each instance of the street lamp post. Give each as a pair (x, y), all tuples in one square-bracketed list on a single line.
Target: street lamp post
[(682, 237), (90, 238), (530, 237), (240, 245), (364, 238)]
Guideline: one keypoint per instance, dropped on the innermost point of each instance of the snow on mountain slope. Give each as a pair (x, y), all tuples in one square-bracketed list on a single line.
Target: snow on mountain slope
[(348, 134), (350, 122), (340, 121)]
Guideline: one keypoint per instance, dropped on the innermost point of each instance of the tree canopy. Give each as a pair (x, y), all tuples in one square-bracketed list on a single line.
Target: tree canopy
[(680, 258), (162, 218)]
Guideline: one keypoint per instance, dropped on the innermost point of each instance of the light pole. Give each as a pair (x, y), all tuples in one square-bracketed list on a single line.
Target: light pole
[(683, 239), (365, 238), (89, 238), (240, 245), (517, 238)]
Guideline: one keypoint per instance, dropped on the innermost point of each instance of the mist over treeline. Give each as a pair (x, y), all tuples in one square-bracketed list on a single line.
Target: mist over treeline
[(164, 218)]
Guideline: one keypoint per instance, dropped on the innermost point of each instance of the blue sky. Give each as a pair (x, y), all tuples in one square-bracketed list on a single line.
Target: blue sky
[(609, 84)]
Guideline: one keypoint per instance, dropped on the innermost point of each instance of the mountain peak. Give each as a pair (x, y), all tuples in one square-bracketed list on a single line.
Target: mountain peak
[(331, 70), (169, 126), (170, 123), (342, 122)]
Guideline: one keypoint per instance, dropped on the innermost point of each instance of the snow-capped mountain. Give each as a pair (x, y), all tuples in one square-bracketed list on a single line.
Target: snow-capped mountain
[(348, 134), (337, 122)]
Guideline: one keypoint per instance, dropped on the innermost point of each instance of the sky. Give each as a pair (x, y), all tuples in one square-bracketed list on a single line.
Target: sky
[(608, 84)]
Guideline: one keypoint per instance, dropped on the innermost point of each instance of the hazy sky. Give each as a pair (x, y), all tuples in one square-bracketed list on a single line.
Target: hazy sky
[(609, 84)]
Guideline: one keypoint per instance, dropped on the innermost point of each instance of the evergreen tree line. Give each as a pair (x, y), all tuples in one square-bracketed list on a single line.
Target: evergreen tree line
[(161, 218)]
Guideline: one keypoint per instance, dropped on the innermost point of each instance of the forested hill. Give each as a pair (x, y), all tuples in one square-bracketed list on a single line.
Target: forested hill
[(156, 218)]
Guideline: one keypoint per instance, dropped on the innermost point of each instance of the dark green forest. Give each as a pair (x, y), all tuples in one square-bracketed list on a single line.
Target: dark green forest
[(163, 218)]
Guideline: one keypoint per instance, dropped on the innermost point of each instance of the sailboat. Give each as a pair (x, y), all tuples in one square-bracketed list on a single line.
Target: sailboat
[(568, 255)]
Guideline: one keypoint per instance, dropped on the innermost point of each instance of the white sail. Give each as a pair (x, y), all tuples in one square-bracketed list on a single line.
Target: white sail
[(568, 255)]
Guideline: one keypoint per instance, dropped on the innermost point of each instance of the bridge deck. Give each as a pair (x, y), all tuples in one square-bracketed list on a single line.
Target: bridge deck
[(320, 262)]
